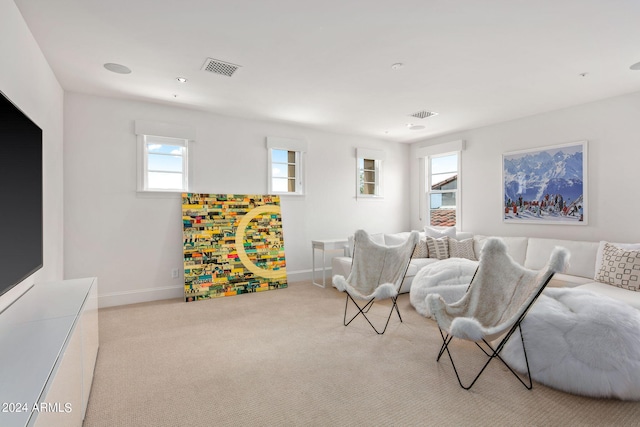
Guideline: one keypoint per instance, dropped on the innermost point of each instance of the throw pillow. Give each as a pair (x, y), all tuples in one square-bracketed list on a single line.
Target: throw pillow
[(632, 246), (462, 249), (434, 232), (438, 248), (620, 267), (421, 250)]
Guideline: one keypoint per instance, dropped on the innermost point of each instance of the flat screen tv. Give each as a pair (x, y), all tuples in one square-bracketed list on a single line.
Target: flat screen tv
[(20, 196)]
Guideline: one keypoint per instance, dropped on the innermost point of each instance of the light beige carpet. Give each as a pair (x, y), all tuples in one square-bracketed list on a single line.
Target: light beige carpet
[(283, 358)]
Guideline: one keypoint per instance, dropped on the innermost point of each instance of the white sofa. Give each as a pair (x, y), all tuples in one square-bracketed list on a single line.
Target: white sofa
[(531, 252), (342, 265)]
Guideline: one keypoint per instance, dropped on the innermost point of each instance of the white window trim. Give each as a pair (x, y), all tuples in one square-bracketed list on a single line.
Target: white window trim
[(171, 134), (143, 168), (289, 144), (429, 191), (424, 154), (378, 156)]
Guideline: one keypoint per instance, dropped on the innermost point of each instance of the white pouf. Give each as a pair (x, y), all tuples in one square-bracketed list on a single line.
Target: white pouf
[(449, 278), (580, 342)]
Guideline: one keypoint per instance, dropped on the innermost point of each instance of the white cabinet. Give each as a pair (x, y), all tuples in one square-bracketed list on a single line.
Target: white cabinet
[(48, 349)]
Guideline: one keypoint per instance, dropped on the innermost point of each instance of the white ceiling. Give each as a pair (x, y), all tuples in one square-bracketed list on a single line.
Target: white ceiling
[(327, 64)]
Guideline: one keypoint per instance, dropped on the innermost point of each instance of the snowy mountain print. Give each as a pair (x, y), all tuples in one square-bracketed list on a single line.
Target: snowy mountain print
[(545, 185)]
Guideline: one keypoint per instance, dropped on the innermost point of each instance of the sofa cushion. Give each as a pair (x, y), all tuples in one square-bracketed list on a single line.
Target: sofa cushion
[(582, 261), (395, 239), (463, 235), (440, 232), (619, 267), (516, 247), (341, 265), (560, 280), (438, 248), (418, 263), (629, 297), (415, 266)]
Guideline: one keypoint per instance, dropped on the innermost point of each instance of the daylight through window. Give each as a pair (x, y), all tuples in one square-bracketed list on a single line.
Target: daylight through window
[(443, 181), (165, 164), (369, 172), (285, 165), (368, 176)]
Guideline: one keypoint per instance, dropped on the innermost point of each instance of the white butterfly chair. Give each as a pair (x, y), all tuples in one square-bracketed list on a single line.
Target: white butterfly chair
[(497, 300), (377, 272)]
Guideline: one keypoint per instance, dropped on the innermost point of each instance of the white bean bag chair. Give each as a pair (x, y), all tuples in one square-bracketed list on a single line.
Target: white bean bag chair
[(449, 278), (581, 342)]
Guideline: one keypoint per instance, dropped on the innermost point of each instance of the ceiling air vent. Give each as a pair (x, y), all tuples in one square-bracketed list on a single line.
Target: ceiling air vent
[(423, 114), (219, 67)]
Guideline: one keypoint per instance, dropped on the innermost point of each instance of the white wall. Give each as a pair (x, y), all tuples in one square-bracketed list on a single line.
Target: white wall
[(612, 129), (131, 241), (27, 79)]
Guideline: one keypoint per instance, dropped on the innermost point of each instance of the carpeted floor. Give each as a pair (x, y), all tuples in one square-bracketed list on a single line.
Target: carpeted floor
[(283, 358)]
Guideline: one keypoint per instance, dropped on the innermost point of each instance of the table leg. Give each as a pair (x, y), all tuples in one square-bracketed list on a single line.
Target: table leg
[(313, 267)]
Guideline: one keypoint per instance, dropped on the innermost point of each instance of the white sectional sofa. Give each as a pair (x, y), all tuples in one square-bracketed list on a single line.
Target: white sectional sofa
[(342, 265), (531, 252)]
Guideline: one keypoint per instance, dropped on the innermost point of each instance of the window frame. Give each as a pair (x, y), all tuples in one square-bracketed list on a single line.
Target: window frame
[(428, 177), (299, 147), (296, 178), (143, 165), (378, 157), (361, 177)]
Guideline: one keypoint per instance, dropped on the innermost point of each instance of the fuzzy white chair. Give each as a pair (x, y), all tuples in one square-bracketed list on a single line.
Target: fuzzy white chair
[(498, 299), (376, 273)]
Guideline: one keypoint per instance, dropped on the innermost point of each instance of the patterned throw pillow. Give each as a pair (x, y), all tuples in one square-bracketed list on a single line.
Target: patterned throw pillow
[(620, 267), (462, 249), (421, 250), (438, 248)]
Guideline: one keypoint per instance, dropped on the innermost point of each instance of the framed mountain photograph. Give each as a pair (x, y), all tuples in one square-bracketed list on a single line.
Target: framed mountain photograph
[(546, 185)]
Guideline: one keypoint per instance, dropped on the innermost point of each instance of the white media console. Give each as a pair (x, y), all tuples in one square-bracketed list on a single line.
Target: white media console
[(48, 350)]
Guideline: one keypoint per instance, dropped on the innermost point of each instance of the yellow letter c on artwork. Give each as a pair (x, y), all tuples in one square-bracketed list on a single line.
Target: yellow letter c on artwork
[(240, 234)]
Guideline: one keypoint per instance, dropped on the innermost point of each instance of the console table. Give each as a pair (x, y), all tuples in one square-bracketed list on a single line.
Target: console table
[(324, 246), (48, 350)]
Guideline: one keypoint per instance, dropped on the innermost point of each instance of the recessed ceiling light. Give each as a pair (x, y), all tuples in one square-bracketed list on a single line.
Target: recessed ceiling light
[(416, 127), (117, 68), (397, 66), (583, 74), (635, 66), (181, 79)]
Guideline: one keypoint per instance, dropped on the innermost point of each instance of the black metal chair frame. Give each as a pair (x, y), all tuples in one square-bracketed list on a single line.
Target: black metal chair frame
[(492, 353), (362, 310)]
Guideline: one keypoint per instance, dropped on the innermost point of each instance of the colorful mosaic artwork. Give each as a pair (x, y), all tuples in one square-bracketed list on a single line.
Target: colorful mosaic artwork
[(233, 245)]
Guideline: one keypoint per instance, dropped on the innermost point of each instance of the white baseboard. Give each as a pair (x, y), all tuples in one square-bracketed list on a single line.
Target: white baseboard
[(299, 275), (169, 292), (140, 295)]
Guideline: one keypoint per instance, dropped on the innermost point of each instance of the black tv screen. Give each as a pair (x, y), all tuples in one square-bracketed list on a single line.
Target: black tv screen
[(20, 196)]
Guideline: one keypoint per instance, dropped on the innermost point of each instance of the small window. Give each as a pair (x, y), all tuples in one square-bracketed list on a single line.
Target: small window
[(443, 181), (286, 165), (164, 164), (369, 177), (369, 172)]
